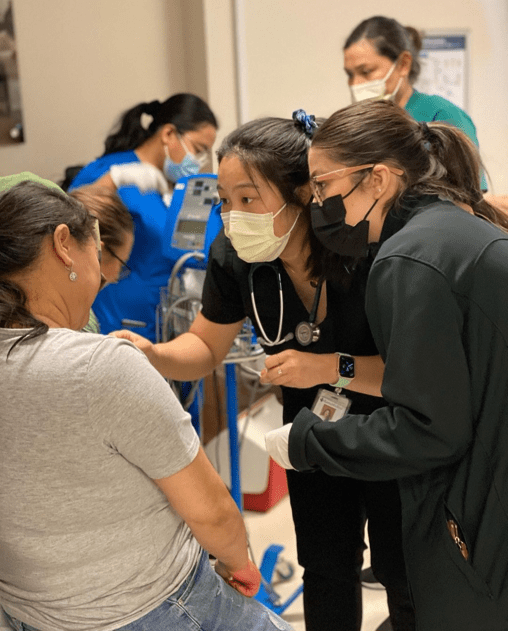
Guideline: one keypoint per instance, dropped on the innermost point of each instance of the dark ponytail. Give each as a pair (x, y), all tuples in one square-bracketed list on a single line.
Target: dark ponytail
[(436, 158), (29, 212), (186, 112)]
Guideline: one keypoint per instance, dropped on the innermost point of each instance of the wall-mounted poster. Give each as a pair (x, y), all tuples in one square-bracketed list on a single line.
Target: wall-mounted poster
[(11, 123), (444, 60)]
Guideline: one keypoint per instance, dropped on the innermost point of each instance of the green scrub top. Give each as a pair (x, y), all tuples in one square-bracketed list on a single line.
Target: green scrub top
[(92, 326), (427, 108)]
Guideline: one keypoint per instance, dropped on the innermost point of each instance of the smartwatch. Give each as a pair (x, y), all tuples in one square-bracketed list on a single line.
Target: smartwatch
[(345, 370)]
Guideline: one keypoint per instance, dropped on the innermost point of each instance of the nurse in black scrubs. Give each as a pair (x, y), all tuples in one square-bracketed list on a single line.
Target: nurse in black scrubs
[(316, 335)]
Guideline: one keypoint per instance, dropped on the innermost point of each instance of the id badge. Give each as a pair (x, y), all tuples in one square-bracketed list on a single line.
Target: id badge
[(330, 406)]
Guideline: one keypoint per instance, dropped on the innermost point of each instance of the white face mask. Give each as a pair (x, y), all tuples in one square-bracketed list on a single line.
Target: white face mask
[(253, 237), (375, 90)]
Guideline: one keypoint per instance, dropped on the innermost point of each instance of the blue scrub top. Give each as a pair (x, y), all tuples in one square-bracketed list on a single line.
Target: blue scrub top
[(427, 108), (137, 296)]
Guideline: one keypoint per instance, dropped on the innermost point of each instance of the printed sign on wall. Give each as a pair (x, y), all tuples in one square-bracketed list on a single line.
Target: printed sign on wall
[(445, 67)]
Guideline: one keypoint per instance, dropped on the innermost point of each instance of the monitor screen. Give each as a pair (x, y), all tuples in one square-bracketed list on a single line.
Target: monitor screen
[(194, 227)]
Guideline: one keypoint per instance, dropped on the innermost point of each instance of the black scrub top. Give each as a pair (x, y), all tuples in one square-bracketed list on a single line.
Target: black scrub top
[(226, 299)]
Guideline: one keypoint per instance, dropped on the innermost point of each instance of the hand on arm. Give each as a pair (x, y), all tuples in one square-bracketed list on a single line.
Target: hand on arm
[(141, 342), (304, 370), (200, 497), (191, 355)]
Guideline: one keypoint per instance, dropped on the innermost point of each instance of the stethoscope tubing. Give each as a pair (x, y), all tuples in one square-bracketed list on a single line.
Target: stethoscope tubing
[(265, 341)]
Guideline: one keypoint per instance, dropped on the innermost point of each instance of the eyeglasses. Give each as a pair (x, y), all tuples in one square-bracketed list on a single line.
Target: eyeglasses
[(332, 175), (104, 282), (97, 237), (125, 269), (315, 181)]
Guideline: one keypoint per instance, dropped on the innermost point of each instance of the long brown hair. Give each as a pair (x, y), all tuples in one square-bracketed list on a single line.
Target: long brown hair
[(436, 158)]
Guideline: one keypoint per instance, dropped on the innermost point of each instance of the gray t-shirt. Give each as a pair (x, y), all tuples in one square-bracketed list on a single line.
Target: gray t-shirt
[(87, 540)]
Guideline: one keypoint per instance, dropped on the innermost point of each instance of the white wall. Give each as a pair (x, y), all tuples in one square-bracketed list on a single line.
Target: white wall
[(83, 62), (221, 68), (294, 59)]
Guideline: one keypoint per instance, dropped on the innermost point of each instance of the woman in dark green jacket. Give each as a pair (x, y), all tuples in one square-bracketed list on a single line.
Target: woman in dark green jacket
[(437, 305)]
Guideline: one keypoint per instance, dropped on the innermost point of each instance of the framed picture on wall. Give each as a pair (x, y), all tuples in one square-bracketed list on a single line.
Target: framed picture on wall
[(11, 119), (445, 65)]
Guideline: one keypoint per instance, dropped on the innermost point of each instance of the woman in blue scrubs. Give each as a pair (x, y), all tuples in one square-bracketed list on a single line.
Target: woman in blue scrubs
[(143, 164)]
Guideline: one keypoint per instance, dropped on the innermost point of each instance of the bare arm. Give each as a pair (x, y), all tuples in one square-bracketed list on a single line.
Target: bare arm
[(191, 355), (304, 370), (200, 497)]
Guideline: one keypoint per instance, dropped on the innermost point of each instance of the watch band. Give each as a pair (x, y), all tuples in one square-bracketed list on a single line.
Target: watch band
[(342, 382)]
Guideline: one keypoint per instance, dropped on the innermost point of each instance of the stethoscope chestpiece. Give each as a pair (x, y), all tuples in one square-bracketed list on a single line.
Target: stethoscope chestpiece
[(307, 333)]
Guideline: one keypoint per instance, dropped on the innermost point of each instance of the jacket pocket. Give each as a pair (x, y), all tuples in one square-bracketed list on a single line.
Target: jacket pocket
[(459, 549), (457, 536)]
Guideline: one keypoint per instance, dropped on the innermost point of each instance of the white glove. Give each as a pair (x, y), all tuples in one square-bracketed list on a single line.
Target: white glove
[(144, 176), (277, 445)]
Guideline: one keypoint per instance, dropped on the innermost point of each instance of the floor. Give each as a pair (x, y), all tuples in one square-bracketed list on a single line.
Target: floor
[(276, 526)]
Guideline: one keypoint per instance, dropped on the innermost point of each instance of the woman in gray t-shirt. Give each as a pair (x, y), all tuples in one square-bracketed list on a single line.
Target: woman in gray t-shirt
[(107, 501)]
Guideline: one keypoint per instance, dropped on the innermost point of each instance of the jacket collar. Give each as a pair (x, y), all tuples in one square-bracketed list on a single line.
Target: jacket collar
[(398, 216)]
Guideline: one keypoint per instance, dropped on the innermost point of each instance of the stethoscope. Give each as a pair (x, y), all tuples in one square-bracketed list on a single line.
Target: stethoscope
[(305, 332)]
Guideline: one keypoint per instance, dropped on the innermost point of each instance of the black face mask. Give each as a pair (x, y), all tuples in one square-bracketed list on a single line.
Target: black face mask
[(330, 227)]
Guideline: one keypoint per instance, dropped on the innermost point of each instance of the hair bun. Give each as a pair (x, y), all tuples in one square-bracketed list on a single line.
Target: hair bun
[(306, 122), (415, 37)]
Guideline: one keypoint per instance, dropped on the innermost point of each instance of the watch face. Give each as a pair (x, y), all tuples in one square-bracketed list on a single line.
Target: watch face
[(347, 366)]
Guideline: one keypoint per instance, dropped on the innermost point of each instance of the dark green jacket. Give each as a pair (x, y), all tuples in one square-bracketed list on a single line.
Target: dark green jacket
[(437, 303)]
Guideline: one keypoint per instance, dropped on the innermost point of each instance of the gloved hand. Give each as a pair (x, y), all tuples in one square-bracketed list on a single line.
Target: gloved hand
[(246, 581), (277, 445), (144, 176)]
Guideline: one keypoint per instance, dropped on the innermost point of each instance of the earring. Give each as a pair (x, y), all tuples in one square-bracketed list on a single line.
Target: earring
[(72, 275)]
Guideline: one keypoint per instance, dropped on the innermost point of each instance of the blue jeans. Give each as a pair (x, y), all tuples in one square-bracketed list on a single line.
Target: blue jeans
[(205, 602)]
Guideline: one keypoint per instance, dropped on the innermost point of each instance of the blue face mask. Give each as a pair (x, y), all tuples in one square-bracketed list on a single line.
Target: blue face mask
[(190, 165)]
